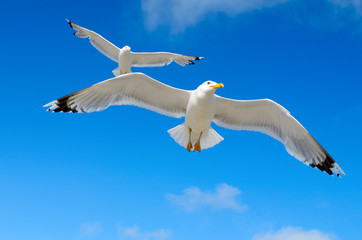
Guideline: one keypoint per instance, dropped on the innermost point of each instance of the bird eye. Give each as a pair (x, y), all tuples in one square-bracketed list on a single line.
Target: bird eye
[(208, 82)]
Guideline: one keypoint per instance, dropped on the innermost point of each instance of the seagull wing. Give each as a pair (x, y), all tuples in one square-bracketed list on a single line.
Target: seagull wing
[(128, 89), (158, 59), (99, 42), (274, 120)]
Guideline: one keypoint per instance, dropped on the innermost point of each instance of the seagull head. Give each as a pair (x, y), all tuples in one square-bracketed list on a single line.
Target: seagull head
[(126, 48), (210, 86)]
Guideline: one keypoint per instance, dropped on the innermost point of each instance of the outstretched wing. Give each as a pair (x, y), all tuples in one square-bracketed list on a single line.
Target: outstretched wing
[(99, 42), (272, 119), (128, 89), (158, 59)]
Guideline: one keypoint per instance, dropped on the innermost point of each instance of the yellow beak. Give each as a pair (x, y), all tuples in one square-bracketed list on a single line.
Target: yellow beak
[(219, 85)]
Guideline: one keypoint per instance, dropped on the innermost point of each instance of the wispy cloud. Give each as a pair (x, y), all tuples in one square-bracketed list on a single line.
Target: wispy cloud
[(224, 197), (357, 4), (180, 14), (91, 228), (295, 233), (135, 233)]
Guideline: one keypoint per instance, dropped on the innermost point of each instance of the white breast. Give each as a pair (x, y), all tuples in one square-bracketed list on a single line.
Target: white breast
[(200, 111), (124, 61)]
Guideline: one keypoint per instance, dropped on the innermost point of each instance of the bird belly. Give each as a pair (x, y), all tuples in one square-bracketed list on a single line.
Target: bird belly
[(124, 62), (199, 115)]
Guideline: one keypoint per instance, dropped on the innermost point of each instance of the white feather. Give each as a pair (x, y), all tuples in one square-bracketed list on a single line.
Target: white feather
[(128, 89), (180, 134), (210, 138), (97, 41), (272, 119), (158, 59)]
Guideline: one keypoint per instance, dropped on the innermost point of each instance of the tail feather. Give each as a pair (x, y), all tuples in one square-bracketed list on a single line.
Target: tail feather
[(116, 72), (180, 134), (209, 137)]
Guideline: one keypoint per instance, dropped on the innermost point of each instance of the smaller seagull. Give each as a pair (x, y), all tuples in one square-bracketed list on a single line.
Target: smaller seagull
[(127, 59), (200, 107)]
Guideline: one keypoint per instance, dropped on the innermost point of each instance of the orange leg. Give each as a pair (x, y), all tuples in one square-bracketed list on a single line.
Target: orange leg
[(189, 145), (197, 146)]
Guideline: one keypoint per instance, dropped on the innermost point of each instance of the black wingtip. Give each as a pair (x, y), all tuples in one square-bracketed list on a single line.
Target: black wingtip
[(191, 62), (326, 166), (198, 58), (62, 105), (70, 23)]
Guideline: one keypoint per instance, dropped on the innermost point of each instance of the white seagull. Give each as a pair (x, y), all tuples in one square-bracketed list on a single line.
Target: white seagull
[(200, 107), (127, 59)]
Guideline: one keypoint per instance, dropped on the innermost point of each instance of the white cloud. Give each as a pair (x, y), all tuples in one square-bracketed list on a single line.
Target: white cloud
[(224, 197), (294, 233), (135, 233), (180, 14), (357, 4), (91, 228)]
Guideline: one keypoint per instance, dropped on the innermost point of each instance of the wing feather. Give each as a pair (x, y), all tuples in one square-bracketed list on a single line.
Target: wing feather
[(158, 59), (128, 89), (97, 41), (269, 117)]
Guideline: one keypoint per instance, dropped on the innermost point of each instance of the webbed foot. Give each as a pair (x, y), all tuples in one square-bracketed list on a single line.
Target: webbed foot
[(189, 146), (197, 147)]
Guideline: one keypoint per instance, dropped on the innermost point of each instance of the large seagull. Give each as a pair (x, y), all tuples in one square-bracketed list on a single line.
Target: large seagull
[(200, 107), (127, 59)]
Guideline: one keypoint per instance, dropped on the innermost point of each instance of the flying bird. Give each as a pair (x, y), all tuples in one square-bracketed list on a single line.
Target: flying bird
[(127, 59), (201, 107)]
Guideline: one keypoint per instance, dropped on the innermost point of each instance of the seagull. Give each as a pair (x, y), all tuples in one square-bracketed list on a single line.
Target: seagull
[(127, 59), (200, 107)]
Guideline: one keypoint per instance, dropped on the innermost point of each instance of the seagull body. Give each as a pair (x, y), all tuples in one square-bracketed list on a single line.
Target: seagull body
[(200, 112), (200, 107), (127, 59), (124, 62)]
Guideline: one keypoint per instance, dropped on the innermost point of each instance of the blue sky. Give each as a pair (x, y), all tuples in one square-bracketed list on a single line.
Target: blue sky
[(117, 174)]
